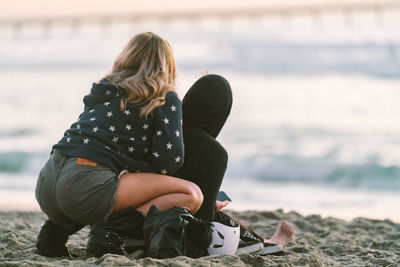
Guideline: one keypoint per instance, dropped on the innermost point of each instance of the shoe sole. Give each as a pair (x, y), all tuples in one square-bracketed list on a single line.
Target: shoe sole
[(269, 250), (249, 249)]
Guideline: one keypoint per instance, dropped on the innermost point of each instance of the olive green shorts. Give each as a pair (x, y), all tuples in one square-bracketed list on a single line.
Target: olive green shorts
[(74, 191)]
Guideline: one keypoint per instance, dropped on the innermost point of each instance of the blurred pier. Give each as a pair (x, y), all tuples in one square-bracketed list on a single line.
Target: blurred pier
[(284, 11), (377, 7)]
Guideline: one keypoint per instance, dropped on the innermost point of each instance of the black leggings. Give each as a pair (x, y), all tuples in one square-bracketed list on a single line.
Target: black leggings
[(205, 172), (206, 107)]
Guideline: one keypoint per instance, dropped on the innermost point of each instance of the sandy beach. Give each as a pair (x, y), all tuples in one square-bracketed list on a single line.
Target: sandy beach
[(313, 127), (320, 242)]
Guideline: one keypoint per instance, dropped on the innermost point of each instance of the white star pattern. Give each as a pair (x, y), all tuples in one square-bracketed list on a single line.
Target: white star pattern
[(123, 134)]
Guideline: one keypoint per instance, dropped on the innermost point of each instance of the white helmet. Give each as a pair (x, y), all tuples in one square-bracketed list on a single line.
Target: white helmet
[(225, 238)]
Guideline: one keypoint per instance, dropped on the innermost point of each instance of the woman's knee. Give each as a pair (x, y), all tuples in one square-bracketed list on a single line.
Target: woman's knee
[(214, 80), (196, 197)]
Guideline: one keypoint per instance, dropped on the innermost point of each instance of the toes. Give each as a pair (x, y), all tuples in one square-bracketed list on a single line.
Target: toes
[(283, 226), (288, 230), (286, 227), (292, 235)]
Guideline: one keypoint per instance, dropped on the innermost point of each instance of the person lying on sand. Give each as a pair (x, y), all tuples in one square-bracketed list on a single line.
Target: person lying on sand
[(250, 242), (206, 107)]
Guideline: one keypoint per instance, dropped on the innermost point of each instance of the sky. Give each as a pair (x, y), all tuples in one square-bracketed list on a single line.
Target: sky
[(49, 8)]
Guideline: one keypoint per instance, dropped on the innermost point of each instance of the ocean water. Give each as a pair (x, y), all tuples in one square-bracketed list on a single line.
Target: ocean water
[(314, 125)]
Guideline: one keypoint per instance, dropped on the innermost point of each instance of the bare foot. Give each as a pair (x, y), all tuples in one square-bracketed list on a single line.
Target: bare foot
[(283, 235)]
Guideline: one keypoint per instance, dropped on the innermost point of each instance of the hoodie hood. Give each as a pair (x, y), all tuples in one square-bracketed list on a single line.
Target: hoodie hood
[(102, 92), (207, 104)]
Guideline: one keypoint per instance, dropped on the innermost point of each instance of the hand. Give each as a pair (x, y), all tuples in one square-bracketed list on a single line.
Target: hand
[(204, 73), (219, 205)]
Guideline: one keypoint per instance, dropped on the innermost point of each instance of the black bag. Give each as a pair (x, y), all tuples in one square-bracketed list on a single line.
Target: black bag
[(175, 232)]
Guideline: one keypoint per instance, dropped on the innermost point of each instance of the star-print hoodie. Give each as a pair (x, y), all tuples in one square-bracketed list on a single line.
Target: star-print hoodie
[(121, 139)]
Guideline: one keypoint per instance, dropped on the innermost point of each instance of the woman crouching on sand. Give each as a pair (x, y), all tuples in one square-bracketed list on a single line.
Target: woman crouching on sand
[(121, 150)]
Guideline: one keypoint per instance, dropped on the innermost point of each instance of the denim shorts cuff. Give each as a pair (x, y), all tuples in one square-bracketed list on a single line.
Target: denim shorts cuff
[(122, 173)]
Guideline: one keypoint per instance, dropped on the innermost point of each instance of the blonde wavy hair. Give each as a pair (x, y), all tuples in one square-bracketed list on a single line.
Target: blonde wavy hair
[(146, 70)]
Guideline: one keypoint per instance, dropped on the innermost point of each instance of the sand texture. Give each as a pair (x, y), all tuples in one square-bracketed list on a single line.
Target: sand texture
[(320, 242)]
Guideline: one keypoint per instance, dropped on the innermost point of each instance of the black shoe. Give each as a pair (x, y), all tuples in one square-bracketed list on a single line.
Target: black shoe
[(102, 241), (267, 248), (52, 240), (249, 237), (245, 233), (121, 232), (131, 245)]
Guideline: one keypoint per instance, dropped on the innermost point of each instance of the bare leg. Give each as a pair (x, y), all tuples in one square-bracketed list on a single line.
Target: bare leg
[(141, 190), (166, 201), (283, 235)]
